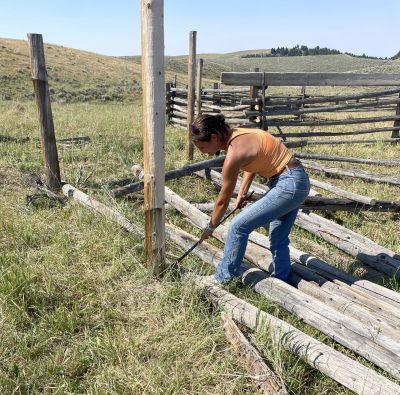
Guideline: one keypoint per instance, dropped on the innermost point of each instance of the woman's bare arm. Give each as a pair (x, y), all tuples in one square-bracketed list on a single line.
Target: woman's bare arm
[(244, 188)]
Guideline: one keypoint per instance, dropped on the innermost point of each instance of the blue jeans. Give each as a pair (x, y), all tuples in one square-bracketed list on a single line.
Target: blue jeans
[(278, 208)]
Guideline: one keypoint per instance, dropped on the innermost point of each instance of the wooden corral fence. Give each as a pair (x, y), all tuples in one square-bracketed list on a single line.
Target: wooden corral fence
[(249, 104), (213, 100)]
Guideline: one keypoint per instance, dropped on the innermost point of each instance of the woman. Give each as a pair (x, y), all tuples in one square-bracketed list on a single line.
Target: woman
[(255, 152)]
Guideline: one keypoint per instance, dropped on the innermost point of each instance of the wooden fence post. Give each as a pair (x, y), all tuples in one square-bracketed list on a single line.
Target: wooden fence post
[(199, 83), (153, 85), (396, 132), (254, 95), (191, 91), (303, 96), (168, 98), (41, 88), (216, 97)]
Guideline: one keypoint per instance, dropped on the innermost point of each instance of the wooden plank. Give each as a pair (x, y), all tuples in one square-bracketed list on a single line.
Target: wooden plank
[(396, 124), (199, 84), (265, 378), (228, 108), (175, 99), (368, 313), (303, 143), (310, 79), (350, 121), (168, 101), (191, 92), (172, 174), (352, 133), (320, 109), (375, 162), (93, 204), (178, 121), (178, 108), (355, 173), (42, 95), (179, 114), (341, 192), (153, 96), (297, 100), (360, 247)]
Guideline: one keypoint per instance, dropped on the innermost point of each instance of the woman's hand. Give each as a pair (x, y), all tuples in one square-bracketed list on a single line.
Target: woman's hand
[(207, 232), (241, 201)]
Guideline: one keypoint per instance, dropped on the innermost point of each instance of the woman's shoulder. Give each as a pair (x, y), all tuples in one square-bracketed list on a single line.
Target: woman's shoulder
[(240, 131), (245, 142), (245, 132)]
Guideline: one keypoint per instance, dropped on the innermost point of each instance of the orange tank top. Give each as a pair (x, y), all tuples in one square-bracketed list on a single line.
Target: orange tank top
[(272, 156)]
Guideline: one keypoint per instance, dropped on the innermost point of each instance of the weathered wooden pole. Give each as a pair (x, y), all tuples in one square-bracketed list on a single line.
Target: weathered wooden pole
[(191, 91), (198, 84), (396, 132), (168, 97), (253, 94), (216, 96), (41, 88), (153, 85)]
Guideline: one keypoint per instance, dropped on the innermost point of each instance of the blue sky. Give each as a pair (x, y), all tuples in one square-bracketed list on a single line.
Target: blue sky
[(113, 27)]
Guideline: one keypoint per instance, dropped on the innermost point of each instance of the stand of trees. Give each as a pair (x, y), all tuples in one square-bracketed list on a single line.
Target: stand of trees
[(294, 51), (303, 50)]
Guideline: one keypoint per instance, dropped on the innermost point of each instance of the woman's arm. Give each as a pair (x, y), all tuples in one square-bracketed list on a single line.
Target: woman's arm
[(230, 173), (244, 188)]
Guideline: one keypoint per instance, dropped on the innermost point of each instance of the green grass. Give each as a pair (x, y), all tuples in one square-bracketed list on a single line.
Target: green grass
[(79, 309)]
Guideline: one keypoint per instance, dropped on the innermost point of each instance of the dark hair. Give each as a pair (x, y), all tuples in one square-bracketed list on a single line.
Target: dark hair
[(205, 125)]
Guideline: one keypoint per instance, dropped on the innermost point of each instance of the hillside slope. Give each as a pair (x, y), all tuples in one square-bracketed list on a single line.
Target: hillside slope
[(214, 64), (74, 75), (78, 76)]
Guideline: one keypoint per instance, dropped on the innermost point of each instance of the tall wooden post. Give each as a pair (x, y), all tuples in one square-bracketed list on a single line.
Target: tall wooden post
[(153, 85), (41, 88), (216, 96), (191, 91), (396, 133), (254, 95), (198, 84), (168, 112)]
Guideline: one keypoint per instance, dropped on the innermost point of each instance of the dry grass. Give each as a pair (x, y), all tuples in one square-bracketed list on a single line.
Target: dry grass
[(79, 309)]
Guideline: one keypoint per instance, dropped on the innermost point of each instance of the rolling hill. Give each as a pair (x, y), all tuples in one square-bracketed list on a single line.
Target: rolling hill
[(79, 76)]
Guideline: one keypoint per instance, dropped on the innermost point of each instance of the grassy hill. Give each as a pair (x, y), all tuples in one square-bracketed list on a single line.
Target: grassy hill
[(73, 75), (80, 76), (214, 64)]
